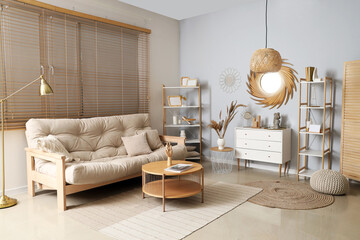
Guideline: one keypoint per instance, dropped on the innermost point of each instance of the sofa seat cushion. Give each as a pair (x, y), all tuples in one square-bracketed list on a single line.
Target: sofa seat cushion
[(107, 169), (96, 171)]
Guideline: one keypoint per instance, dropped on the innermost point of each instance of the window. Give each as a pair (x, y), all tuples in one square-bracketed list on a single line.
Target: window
[(94, 68)]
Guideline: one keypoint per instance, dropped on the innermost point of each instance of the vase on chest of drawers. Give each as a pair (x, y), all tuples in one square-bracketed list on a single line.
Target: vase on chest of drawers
[(221, 143)]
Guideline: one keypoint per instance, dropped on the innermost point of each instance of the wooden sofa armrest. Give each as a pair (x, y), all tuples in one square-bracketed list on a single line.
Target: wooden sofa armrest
[(172, 139), (57, 183), (52, 157)]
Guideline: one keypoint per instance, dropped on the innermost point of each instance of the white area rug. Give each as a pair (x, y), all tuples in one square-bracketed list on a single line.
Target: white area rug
[(128, 216)]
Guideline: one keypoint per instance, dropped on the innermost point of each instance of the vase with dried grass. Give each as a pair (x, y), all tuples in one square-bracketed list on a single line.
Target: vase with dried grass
[(221, 126)]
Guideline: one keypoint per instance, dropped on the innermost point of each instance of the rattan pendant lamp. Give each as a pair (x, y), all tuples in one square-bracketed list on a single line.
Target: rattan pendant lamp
[(264, 61)]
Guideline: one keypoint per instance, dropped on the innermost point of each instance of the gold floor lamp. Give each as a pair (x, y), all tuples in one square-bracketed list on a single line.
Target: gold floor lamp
[(45, 89)]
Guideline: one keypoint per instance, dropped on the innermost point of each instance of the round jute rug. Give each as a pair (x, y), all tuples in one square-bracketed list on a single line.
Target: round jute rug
[(289, 195)]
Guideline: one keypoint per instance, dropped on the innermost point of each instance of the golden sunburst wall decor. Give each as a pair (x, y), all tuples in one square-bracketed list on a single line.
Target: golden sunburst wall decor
[(230, 80), (283, 92)]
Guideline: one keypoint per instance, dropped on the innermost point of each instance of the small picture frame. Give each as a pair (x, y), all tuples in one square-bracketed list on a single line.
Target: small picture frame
[(184, 81), (315, 128), (191, 82), (175, 101)]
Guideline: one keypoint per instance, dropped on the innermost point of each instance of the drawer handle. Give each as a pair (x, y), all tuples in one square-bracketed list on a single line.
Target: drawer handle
[(268, 156), (245, 153), (269, 135), (245, 134), (245, 143), (269, 146)]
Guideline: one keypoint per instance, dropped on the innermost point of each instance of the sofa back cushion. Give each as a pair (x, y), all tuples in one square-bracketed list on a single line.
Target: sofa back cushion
[(89, 138)]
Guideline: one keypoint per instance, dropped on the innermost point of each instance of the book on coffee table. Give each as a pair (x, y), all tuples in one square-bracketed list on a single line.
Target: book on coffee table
[(178, 168)]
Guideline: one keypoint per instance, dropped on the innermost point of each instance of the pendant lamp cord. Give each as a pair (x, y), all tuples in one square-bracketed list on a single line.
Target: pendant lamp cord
[(266, 26)]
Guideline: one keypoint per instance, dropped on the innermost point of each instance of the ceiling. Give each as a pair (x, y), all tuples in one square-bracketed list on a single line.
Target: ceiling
[(182, 9)]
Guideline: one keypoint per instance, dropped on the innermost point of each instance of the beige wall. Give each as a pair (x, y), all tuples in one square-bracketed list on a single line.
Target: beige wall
[(164, 68)]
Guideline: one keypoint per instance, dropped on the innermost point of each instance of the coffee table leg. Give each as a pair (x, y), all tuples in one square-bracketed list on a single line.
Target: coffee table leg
[(143, 184), (202, 185), (163, 191)]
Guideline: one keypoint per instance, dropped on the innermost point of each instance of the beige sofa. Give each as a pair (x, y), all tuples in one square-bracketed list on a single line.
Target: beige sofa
[(97, 143)]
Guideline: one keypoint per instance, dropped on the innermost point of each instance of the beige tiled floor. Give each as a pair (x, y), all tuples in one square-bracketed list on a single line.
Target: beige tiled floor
[(37, 218)]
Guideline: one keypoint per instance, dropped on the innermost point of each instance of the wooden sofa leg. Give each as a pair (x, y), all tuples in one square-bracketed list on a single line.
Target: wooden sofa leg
[(30, 162), (61, 194)]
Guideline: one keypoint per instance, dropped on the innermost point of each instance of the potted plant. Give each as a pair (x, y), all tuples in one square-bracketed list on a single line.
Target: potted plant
[(221, 126)]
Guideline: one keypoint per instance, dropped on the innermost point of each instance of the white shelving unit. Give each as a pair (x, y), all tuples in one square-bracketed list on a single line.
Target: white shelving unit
[(188, 127), (304, 149)]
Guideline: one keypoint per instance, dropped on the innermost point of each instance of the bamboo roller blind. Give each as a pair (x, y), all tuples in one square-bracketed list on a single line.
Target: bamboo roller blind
[(94, 68)]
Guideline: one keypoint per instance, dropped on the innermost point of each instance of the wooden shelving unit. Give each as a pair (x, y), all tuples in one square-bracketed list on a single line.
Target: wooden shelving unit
[(305, 150), (185, 126)]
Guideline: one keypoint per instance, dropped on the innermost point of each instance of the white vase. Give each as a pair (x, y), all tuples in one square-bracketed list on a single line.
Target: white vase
[(175, 120), (221, 143), (182, 134)]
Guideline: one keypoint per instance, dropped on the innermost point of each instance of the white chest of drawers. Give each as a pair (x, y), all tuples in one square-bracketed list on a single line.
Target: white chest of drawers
[(264, 145)]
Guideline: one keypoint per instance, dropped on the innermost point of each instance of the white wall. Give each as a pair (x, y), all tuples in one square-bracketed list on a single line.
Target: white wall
[(320, 33), (164, 68)]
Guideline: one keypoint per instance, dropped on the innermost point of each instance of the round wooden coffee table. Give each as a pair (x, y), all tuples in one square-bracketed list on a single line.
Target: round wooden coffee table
[(172, 185)]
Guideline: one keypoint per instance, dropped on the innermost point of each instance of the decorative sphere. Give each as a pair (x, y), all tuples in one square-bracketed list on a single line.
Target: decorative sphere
[(265, 60)]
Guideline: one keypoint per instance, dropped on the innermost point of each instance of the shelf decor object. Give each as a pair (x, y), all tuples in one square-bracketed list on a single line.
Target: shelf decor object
[(187, 125), (188, 120), (176, 101), (188, 82), (308, 131), (350, 124), (221, 126), (309, 72), (45, 89), (230, 80), (191, 82), (271, 82), (184, 81), (264, 145)]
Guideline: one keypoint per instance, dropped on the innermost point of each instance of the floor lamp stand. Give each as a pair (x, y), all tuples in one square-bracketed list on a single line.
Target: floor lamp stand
[(5, 201), (45, 89)]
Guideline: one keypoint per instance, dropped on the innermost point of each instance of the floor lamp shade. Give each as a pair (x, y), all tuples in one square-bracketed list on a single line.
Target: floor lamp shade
[(45, 89)]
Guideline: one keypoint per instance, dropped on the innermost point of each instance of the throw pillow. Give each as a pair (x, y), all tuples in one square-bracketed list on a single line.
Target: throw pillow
[(192, 154), (136, 145), (190, 148), (152, 137), (51, 144)]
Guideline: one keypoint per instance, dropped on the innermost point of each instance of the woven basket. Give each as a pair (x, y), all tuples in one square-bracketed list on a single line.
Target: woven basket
[(265, 60)]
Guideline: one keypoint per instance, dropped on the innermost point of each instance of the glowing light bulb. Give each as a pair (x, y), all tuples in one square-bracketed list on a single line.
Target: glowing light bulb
[(271, 82)]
